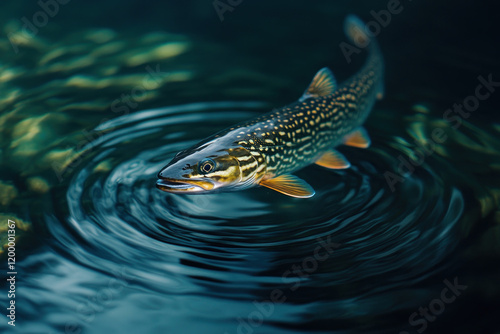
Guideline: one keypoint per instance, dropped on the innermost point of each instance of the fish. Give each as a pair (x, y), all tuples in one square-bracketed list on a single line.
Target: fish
[(267, 149)]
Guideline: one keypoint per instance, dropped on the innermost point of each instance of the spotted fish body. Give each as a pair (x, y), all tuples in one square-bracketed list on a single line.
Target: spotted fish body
[(267, 149)]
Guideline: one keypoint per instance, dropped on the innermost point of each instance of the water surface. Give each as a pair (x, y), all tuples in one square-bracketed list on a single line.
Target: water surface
[(90, 114)]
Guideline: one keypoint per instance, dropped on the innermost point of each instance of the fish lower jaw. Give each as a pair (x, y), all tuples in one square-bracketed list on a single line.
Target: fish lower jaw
[(177, 186)]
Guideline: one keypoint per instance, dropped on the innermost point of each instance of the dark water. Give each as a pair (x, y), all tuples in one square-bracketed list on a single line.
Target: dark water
[(100, 98)]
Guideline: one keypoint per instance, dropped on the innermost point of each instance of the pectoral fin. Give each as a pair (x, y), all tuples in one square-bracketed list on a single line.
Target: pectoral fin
[(358, 138), (334, 160), (289, 185), (323, 84)]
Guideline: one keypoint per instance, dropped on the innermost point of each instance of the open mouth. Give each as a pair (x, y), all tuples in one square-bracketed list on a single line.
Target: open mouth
[(172, 185)]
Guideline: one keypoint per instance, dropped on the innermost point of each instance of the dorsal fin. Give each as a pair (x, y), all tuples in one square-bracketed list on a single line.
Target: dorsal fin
[(323, 84)]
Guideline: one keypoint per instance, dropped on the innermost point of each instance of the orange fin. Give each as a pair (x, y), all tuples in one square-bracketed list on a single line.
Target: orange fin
[(334, 160), (358, 138), (289, 185), (380, 92), (323, 84)]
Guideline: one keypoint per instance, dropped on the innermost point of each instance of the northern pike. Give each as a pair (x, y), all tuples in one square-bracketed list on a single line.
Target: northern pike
[(267, 149)]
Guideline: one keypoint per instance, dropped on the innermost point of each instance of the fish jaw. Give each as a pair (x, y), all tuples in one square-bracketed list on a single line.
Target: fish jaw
[(183, 186)]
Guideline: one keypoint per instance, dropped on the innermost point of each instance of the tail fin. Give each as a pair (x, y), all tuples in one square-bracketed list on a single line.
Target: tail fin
[(355, 29)]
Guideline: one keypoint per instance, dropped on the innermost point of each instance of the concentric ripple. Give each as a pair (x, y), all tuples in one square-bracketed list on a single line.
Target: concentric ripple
[(358, 240)]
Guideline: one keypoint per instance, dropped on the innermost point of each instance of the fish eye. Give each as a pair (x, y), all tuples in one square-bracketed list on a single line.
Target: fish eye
[(206, 166)]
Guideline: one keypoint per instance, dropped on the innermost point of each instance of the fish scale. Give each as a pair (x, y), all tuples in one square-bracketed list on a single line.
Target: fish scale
[(314, 120), (267, 149)]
